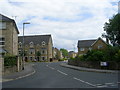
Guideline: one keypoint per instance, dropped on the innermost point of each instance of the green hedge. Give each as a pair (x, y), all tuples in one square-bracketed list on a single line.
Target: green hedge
[(109, 54), (10, 60)]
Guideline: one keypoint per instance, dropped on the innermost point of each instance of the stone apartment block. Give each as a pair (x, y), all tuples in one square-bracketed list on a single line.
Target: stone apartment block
[(85, 45), (37, 47), (8, 35)]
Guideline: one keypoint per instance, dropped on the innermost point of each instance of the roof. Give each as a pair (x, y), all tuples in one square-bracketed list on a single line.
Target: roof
[(36, 39), (6, 19), (86, 43)]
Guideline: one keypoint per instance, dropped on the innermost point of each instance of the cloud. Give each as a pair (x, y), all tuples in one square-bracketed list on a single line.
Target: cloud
[(67, 20)]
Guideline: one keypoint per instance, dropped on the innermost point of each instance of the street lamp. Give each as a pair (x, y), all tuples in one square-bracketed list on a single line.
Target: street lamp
[(24, 44)]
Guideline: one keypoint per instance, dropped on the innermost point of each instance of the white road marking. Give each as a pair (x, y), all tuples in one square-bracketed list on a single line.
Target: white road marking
[(50, 67), (109, 83), (62, 72), (101, 86), (84, 82), (26, 75)]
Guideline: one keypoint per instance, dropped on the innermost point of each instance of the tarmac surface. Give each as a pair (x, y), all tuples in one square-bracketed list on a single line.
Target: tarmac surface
[(29, 70), (56, 75)]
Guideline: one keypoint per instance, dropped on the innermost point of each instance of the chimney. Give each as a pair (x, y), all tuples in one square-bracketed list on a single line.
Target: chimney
[(107, 40)]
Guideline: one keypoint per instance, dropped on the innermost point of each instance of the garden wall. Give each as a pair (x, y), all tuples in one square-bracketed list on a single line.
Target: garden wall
[(95, 64)]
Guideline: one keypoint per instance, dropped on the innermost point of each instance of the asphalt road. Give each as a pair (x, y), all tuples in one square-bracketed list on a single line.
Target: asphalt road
[(52, 75)]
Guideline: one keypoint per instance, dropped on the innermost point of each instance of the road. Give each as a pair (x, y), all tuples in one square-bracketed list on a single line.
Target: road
[(52, 75)]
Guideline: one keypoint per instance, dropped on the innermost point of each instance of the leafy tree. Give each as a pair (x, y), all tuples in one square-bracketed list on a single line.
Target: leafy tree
[(64, 52), (112, 29), (38, 53)]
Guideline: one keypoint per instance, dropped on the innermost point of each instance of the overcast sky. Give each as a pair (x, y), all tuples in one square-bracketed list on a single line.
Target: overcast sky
[(66, 20)]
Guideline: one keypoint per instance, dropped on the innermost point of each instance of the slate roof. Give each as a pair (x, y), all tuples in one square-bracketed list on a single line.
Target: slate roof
[(36, 39), (6, 19), (85, 43)]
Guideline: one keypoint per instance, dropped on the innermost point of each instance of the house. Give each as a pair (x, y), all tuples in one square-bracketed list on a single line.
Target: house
[(85, 45), (37, 47), (57, 54), (8, 36), (72, 54)]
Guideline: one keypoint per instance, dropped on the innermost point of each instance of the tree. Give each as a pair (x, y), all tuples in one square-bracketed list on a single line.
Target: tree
[(38, 53), (112, 29), (64, 52)]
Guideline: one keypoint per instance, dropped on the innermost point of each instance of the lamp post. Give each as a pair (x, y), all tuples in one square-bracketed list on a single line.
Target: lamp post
[(24, 44)]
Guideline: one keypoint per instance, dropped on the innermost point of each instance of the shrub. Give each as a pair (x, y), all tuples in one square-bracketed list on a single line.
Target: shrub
[(10, 60)]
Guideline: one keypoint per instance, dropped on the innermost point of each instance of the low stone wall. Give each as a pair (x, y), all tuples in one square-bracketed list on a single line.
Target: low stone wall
[(95, 64), (9, 70)]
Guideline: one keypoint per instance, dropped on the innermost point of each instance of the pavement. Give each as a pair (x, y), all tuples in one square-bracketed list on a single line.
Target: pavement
[(29, 70), (88, 69)]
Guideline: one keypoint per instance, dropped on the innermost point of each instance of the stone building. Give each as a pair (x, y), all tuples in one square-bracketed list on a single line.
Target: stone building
[(8, 35), (85, 45), (72, 54), (57, 54), (37, 47)]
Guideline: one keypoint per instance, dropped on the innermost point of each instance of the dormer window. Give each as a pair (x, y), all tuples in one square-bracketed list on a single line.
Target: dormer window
[(31, 44), (20, 44), (43, 43)]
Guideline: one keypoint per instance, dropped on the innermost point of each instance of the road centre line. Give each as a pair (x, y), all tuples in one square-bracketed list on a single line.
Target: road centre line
[(62, 72), (109, 83), (84, 82), (50, 67)]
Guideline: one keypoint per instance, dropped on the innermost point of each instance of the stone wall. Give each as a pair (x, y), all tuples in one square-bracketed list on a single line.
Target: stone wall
[(96, 65), (9, 70)]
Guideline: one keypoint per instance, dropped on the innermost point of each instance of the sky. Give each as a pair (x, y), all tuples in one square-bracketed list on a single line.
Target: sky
[(66, 20)]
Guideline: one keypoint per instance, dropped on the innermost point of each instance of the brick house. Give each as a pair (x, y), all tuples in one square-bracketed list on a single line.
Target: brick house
[(85, 45), (8, 35), (37, 47)]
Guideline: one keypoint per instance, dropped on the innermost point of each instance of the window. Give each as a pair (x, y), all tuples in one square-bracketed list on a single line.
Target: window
[(90, 48), (2, 41), (43, 58), (32, 51), (2, 25), (31, 44), (43, 51), (31, 58), (20, 45), (20, 52), (82, 49), (100, 46), (43, 43)]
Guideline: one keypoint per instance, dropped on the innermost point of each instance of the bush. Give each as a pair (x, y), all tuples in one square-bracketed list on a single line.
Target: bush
[(10, 60)]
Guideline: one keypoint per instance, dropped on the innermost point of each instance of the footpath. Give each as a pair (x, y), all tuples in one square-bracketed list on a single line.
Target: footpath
[(28, 70), (88, 69)]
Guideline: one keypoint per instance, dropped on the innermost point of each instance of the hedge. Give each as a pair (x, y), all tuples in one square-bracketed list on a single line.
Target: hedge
[(10, 60)]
